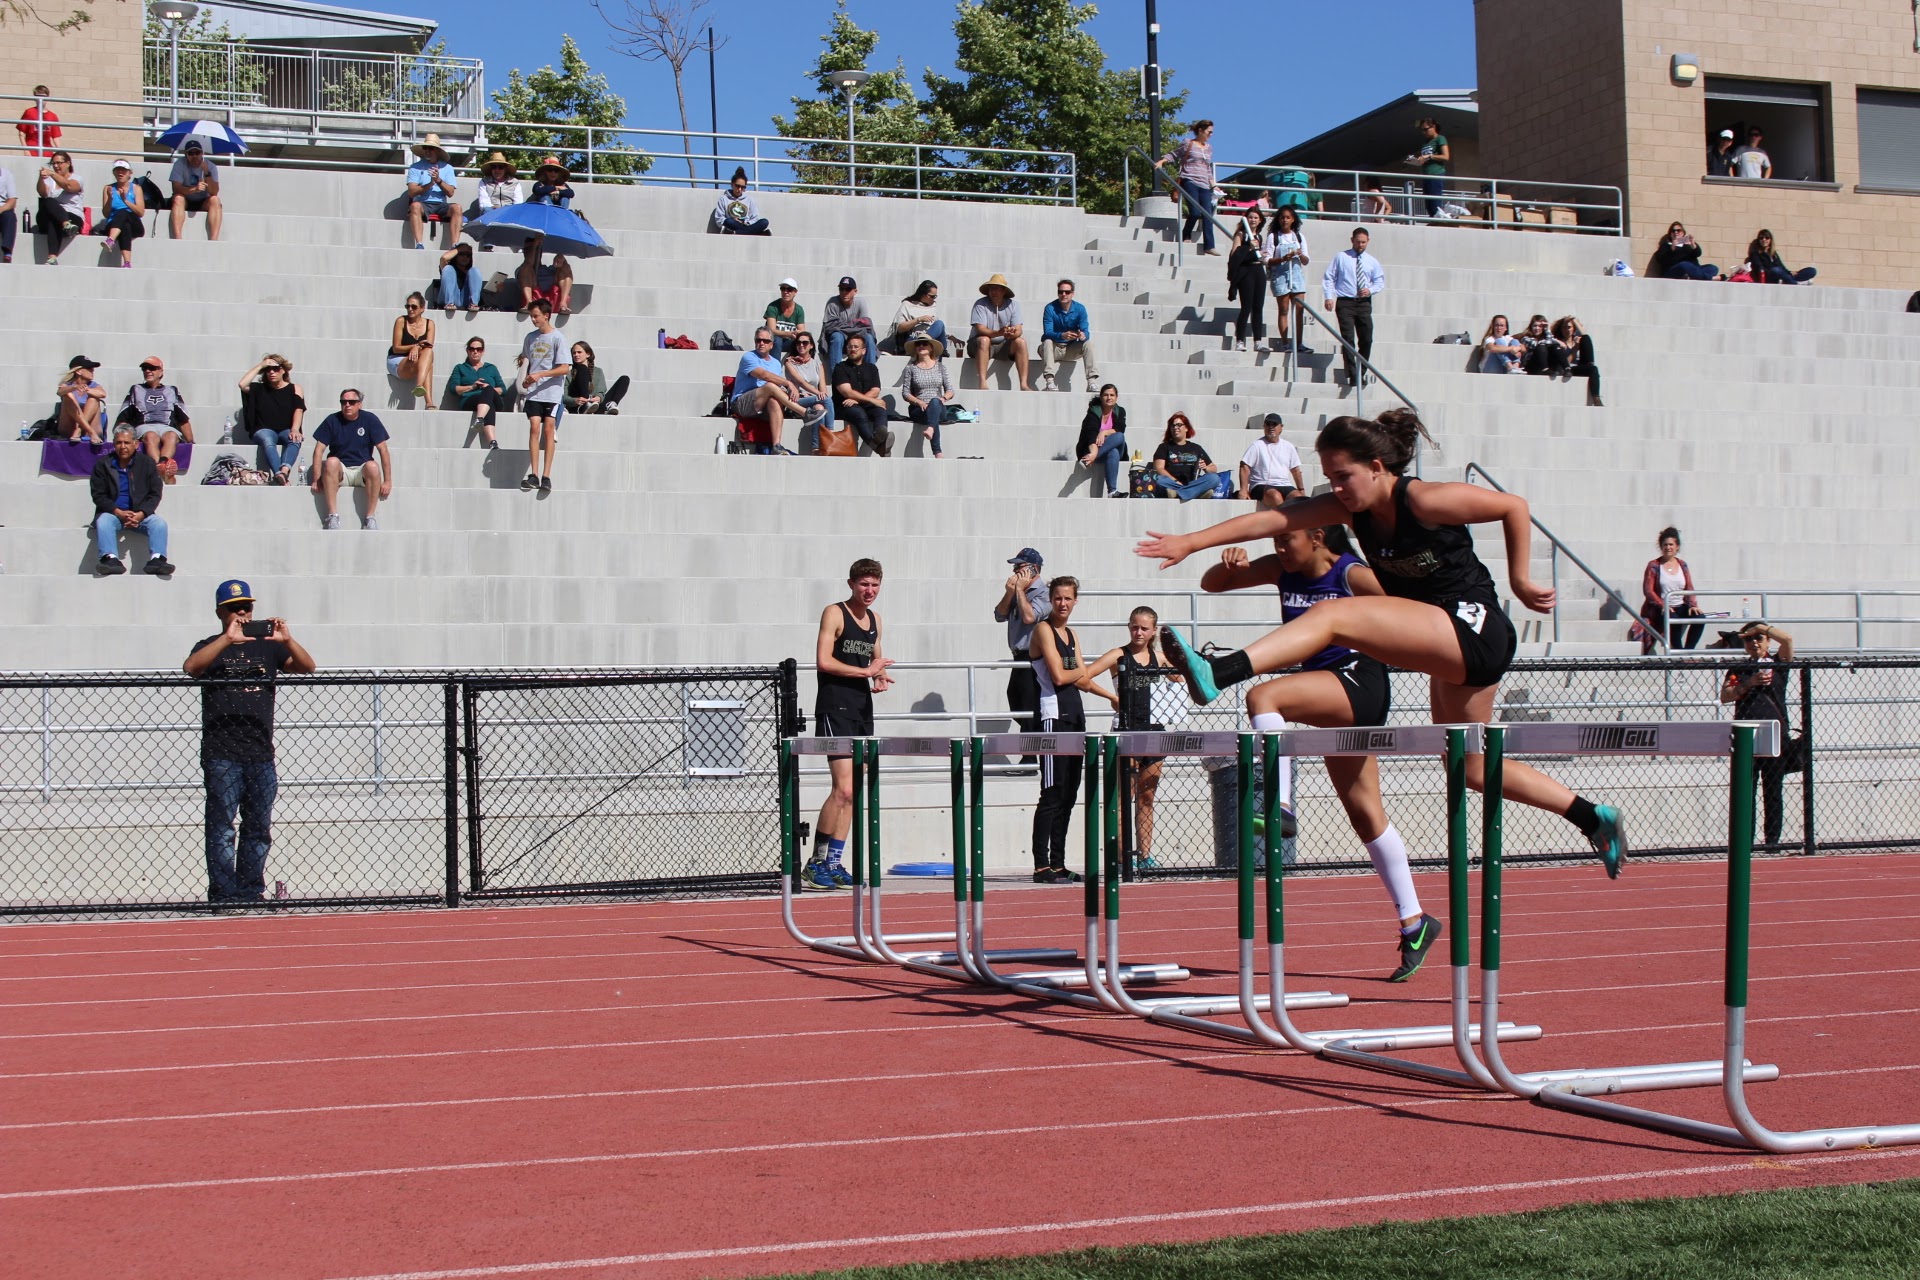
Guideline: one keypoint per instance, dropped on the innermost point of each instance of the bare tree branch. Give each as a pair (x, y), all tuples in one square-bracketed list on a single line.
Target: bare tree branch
[(662, 31)]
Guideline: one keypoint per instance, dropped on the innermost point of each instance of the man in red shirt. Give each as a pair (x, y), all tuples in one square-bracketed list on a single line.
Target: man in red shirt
[(39, 127)]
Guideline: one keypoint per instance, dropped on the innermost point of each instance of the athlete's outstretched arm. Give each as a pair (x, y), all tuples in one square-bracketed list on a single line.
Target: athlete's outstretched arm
[(1236, 572), (1171, 548), (1455, 503)]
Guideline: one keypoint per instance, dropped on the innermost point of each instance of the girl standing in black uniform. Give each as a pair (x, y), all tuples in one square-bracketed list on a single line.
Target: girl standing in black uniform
[(851, 670), (1141, 654), (1440, 614), (1061, 674)]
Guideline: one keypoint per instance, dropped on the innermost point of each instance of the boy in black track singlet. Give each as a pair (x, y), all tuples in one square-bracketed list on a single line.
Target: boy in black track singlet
[(1440, 613), (851, 670)]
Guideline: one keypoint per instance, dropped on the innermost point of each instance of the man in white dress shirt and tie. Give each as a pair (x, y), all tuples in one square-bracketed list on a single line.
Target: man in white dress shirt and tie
[(1351, 280)]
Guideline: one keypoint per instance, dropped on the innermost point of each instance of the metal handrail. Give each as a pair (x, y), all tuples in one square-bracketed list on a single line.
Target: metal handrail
[(1490, 195), (1559, 548), (1366, 367), (1859, 620), (771, 160)]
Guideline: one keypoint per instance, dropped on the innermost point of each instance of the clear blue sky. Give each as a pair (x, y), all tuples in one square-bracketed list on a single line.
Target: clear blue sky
[(1270, 72)]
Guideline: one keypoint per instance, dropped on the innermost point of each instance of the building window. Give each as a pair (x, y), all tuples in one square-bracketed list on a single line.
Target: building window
[(1792, 119), (1889, 139)]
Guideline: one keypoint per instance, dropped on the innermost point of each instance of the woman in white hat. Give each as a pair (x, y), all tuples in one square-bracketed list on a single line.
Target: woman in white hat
[(431, 182), (499, 184), (126, 210)]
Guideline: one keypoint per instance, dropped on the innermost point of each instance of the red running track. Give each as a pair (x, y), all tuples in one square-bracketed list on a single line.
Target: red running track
[(679, 1090)]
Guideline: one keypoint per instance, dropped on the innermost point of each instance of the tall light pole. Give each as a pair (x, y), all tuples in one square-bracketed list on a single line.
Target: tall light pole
[(176, 14), (1153, 86), (849, 83), (713, 106)]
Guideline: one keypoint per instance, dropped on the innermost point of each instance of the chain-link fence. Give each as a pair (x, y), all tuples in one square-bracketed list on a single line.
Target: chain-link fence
[(388, 789), (1860, 719)]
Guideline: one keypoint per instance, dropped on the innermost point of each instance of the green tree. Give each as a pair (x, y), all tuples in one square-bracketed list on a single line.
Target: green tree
[(1035, 79), (886, 111), (216, 68), (573, 95), (425, 81)]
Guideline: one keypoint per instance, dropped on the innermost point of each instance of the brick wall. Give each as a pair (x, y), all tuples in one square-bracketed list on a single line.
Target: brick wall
[(1552, 93), (99, 60)]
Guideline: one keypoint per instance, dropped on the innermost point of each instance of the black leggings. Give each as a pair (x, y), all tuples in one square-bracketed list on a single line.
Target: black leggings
[(59, 225), (130, 227), (485, 396), (1581, 364), (615, 394), (1253, 312), (1545, 358), (1059, 793), (9, 228), (868, 419)]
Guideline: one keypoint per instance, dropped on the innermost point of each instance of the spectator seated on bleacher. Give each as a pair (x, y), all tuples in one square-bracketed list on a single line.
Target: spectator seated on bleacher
[(9, 216), (587, 390), (431, 183), (1763, 262), (915, 317), (845, 316), (786, 317), (126, 495), (350, 451), (158, 417), (1545, 357), (1500, 351), (410, 349), (1063, 327), (499, 186), (761, 389), (734, 210), (1102, 446), (460, 282), (550, 185), (1677, 257), (82, 402), (927, 389), (272, 409), (62, 211), (553, 282), (196, 189), (477, 387), (125, 207), (998, 332), (857, 399), (1578, 344)]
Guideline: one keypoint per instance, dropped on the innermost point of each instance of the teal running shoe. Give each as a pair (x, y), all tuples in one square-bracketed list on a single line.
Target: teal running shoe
[(1197, 670), (1610, 839)]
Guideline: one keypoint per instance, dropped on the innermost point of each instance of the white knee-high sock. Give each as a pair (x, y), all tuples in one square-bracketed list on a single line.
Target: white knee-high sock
[(1274, 722), (1388, 854)]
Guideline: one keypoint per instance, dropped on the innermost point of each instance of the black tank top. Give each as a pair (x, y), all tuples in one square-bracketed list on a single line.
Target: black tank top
[(1435, 564), (854, 646), (1062, 700), (1136, 693)]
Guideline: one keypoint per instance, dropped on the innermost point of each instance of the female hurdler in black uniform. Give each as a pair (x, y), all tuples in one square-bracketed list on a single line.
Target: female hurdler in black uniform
[(1440, 614)]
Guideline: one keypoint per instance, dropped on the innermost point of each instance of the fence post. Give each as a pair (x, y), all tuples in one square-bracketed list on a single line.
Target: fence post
[(451, 784), (476, 879), (1808, 844), (790, 723), (379, 737), (46, 744)]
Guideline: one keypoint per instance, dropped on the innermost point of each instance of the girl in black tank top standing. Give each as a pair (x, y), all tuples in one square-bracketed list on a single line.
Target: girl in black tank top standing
[(846, 655), (1135, 690), (1440, 614), (1061, 675)]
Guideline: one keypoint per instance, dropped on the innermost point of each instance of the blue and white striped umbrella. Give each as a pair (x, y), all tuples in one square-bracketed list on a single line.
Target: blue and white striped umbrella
[(214, 138)]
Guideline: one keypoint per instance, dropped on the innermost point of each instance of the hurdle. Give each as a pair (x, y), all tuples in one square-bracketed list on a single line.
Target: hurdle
[(1743, 741), (874, 945), (1367, 1046)]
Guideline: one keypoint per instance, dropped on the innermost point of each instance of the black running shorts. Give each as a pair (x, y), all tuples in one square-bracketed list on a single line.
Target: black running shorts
[(1487, 641), (1368, 688)]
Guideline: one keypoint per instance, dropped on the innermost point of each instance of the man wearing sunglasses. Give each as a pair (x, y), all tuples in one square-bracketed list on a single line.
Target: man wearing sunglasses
[(350, 449), (157, 415), (761, 389), (240, 663), (1064, 324)]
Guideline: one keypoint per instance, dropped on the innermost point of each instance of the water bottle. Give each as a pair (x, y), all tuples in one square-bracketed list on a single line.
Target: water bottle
[(226, 432), (1746, 606), (26, 429)]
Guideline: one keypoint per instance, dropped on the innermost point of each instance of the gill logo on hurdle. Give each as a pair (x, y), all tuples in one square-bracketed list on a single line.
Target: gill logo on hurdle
[(1365, 741), (1181, 743), (1641, 737)]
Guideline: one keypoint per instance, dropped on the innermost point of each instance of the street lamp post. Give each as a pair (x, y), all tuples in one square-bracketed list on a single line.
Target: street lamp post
[(713, 106), (850, 82), (176, 14), (1153, 90)]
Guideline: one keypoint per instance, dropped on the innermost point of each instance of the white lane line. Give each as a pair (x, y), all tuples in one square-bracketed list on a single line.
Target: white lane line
[(756, 1148), (664, 1091), (983, 1024), (1130, 1220)]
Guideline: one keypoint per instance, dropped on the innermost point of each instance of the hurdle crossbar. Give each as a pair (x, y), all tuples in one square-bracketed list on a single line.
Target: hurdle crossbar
[(1553, 1088), (1744, 742)]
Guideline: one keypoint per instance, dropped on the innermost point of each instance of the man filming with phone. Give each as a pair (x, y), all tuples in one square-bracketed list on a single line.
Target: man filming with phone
[(240, 664)]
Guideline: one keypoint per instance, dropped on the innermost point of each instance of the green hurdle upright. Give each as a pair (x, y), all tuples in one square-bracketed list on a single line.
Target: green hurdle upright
[(1742, 741)]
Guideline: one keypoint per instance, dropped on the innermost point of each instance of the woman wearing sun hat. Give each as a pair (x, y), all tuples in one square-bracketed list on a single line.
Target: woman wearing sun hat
[(431, 181), (499, 184), (550, 184)]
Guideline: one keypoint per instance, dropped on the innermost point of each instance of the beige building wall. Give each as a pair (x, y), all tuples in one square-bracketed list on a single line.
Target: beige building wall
[(99, 60), (1582, 93)]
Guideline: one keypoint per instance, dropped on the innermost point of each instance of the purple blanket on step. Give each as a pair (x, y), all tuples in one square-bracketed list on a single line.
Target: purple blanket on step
[(76, 457)]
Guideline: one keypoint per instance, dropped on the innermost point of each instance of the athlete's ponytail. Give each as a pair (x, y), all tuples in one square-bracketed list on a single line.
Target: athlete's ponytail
[(1389, 439)]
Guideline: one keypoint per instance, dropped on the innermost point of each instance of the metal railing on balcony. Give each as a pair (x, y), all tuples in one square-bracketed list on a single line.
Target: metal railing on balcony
[(195, 76)]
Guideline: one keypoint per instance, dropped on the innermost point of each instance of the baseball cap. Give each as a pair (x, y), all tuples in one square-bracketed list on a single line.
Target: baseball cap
[(848, 282), (791, 283), (1027, 555), (232, 591), (1272, 419), (81, 362), (1726, 133), (193, 144)]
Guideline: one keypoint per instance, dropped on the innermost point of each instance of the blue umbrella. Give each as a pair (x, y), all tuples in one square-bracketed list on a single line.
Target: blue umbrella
[(565, 231), (214, 138)]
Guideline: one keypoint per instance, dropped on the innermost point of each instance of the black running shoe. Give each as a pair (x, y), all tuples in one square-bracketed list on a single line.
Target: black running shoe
[(1043, 875), (1414, 947), (1063, 876)]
